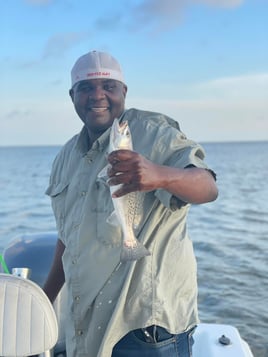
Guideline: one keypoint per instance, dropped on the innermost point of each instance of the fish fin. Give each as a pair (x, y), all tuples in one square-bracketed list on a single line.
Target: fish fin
[(113, 219), (133, 253)]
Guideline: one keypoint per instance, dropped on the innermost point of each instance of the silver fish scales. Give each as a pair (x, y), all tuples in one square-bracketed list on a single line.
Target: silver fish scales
[(127, 208)]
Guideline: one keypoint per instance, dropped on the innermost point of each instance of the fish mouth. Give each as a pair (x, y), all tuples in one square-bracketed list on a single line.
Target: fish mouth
[(98, 109)]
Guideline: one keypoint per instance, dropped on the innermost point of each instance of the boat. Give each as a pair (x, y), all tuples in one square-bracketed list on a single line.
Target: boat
[(27, 260)]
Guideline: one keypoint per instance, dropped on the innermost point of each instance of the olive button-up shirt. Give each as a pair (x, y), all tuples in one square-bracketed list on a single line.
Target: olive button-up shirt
[(107, 299)]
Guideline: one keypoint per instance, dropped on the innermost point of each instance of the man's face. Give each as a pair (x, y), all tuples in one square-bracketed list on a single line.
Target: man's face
[(98, 102)]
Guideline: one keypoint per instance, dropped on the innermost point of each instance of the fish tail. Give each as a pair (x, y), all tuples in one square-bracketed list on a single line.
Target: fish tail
[(136, 252)]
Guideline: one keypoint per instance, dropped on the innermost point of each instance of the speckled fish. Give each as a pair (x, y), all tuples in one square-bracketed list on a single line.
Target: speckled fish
[(126, 207)]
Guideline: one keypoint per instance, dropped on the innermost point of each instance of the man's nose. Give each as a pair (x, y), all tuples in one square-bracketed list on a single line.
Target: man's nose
[(97, 93)]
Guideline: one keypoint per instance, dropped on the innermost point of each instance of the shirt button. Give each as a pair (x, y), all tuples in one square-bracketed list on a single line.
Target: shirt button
[(74, 261), (77, 298), (79, 332), (83, 193)]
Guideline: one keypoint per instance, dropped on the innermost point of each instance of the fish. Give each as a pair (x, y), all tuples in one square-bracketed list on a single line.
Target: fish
[(127, 207)]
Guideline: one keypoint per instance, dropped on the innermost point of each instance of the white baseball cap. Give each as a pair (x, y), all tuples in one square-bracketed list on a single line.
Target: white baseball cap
[(94, 65)]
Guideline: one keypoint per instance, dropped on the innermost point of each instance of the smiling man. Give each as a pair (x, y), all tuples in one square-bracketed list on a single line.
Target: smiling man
[(141, 308)]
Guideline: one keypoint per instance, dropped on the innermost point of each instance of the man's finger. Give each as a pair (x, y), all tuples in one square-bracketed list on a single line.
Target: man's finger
[(124, 189)]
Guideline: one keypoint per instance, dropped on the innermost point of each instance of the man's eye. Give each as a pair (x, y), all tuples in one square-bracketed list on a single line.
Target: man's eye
[(109, 87), (84, 89)]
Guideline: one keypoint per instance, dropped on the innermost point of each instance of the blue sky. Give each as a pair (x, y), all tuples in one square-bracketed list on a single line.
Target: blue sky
[(202, 62)]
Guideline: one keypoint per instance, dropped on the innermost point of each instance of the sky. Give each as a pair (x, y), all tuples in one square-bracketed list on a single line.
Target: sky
[(202, 62)]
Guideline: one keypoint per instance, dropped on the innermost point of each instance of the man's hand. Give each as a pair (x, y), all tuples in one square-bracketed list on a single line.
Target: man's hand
[(133, 171)]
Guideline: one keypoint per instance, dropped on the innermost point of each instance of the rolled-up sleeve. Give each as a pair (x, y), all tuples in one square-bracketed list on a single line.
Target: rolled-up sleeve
[(192, 155)]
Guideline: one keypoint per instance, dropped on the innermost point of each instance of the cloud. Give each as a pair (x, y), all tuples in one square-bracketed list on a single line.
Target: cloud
[(247, 79), (39, 2), (17, 114), (56, 47), (157, 15), (109, 22), (220, 3), (60, 43), (166, 14), (249, 85), (161, 14)]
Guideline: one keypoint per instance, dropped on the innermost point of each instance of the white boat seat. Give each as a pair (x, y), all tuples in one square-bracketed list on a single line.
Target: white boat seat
[(28, 324)]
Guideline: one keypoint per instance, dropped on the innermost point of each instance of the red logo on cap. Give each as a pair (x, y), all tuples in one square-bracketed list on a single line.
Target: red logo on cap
[(93, 74)]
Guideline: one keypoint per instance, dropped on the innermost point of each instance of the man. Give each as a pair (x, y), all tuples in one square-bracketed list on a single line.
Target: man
[(146, 307)]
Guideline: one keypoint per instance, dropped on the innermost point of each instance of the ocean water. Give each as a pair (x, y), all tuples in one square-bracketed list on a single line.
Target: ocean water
[(230, 235)]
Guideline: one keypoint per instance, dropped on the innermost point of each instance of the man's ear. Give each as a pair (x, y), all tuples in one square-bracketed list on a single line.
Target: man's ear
[(71, 94), (124, 90)]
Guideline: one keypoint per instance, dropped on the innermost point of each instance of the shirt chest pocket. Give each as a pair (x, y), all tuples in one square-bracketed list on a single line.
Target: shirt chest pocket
[(58, 193)]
